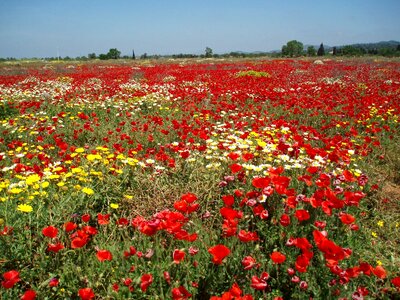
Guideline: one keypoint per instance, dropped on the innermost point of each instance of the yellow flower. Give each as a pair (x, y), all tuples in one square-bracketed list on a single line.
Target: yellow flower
[(79, 150), (378, 262), (114, 205), (92, 157), (15, 191), (88, 191), (31, 179), (45, 184), (25, 208), (374, 234), (380, 223)]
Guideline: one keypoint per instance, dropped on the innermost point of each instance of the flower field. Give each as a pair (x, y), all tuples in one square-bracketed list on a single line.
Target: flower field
[(267, 179)]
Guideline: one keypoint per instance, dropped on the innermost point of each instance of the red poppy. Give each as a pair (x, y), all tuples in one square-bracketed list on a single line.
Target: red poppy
[(145, 281), (29, 295), (50, 231), (302, 263), (10, 279), (261, 182), (79, 242), (55, 247), (346, 218), (302, 215), (86, 294), (53, 282), (396, 282), (229, 200), (219, 252), (379, 272), (167, 277), (248, 263), (247, 236), (70, 226), (278, 257), (103, 255), (235, 168), (284, 220), (103, 219), (86, 218), (178, 256), (180, 293), (259, 283)]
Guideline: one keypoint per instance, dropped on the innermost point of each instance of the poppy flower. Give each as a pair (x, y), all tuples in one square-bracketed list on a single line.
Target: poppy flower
[(248, 263), (219, 252), (29, 295), (167, 277), (235, 168), (229, 200), (86, 294), (379, 272), (10, 279), (103, 219), (70, 226), (346, 218), (50, 231), (55, 247), (178, 256), (259, 283), (278, 257), (261, 182), (302, 215), (396, 282), (180, 293), (284, 220), (103, 255), (145, 281), (247, 236)]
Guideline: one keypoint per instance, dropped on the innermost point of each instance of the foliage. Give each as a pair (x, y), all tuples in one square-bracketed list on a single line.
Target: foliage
[(293, 49), (208, 52), (311, 51)]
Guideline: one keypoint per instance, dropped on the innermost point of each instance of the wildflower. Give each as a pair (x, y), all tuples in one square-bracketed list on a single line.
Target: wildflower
[(103, 255), (25, 208), (219, 252), (278, 257), (114, 205), (259, 283), (178, 256), (145, 281), (79, 150), (50, 231), (103, 219), (180, 293), (380, 223), (87, 191), (396, 282), (29, 295), (248, 263), (86, 294), (10, 279)]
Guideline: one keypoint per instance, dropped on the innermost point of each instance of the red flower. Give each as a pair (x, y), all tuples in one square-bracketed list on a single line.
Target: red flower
[(145, 281), (180, 293), (55, 247), (79, 242), (53, 282), (50, 231), (219, 252), (259, 283), (103, 219), (70, 226), (302, 263), (261, 182), (379, 272), (248, 262), (103, 255), (396, 282), (167, 277), (284, 220), (235, 168), (247, 236), (10, 279), (346, 218), (86, 218), (29, 295), (178, 256), (278, 257), (302, 215), (86, 294), (229, 200)]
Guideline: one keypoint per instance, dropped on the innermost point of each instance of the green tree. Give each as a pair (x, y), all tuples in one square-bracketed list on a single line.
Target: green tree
[(311, 51), (113, 53), (292, 48), (208, 52), (92, 55), (321, 50)]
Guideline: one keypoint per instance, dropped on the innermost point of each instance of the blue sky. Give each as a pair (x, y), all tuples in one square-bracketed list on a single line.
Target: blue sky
[(33, 28)]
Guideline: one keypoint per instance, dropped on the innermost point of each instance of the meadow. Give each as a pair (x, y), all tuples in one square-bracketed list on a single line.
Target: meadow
[(246, 179)]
